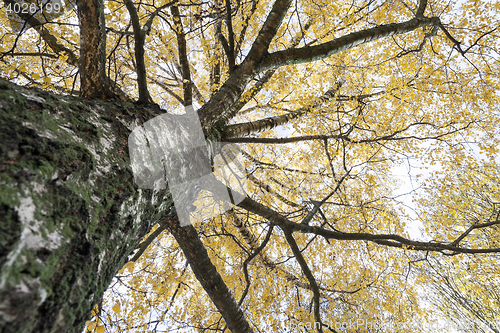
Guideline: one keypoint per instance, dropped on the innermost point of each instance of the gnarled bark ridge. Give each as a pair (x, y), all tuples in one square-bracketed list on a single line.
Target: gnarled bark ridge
[(69, 209)]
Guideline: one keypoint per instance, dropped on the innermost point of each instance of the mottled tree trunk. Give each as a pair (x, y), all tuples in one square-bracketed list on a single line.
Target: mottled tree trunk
[(69, 209), (93, 81)]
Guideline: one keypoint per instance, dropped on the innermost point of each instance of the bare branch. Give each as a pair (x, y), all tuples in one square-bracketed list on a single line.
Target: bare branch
[(28, 54), (307, 272), (390, 240)]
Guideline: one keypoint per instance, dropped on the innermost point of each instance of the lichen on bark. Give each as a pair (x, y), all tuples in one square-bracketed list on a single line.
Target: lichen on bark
[(69, 209)]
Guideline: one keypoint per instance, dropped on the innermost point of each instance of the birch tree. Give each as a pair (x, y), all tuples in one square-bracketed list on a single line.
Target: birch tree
[(322, 100)]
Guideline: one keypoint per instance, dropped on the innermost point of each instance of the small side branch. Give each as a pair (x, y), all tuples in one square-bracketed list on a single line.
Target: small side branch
[(474, 226), (307, 272)]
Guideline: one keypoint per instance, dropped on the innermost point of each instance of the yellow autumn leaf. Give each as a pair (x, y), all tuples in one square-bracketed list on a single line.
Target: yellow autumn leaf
[(100, 329), (95, 310), (47, 80), (35, 76), (116, 308), (91, 326), (130, 266)]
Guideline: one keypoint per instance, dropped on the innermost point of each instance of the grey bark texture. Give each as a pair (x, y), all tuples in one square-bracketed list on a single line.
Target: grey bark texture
[(69, 209)]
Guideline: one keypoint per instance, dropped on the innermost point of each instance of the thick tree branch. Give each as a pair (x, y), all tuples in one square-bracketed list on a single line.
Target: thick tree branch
[(421, 8), (92, 65), (183, 60), (238, 130), (321, 51), (197, 94), (139, 38), (285, 140), (140, 34), (390, 240), (206, 273), (268, 31), (252, 92), (221, 105), (225, 45), (395, 136), (230, 37)]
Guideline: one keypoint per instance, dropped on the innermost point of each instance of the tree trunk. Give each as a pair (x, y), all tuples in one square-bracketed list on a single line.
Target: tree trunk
[(93, 81), (69, 209)]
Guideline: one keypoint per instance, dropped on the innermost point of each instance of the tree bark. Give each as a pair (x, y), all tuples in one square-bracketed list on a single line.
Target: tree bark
[(93, 82), (72, 213), (69, 209), (139, 38)]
